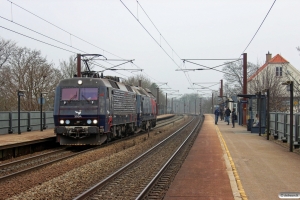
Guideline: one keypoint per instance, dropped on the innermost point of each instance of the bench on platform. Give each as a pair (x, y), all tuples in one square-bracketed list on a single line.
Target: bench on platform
[(296, 144), (284, 139), (275, 134)]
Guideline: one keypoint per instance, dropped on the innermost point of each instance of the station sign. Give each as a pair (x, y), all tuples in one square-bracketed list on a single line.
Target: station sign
[(41, 100)]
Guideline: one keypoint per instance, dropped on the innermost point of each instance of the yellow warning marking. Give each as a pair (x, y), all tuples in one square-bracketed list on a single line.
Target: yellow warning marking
[(235, 173)]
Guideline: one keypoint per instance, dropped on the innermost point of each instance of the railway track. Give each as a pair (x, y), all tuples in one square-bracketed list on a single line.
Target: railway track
[(15, 168), (136, 179), (12, 169)]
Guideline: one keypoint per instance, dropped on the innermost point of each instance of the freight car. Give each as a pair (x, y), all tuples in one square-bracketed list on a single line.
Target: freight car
[(90, 110)]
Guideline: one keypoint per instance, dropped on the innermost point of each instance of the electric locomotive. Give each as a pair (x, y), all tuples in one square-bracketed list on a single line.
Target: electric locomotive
[(90, 110)]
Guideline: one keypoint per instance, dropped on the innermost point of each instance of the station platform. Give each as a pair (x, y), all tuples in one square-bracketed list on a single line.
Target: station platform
[(25, 138), (32, 137), (232, 163)]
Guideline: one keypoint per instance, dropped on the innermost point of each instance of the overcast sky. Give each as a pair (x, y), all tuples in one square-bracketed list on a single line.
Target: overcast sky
[(195, 29)]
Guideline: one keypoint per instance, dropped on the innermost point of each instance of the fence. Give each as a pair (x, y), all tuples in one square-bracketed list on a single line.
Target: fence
[(29, 121), (280, 126)]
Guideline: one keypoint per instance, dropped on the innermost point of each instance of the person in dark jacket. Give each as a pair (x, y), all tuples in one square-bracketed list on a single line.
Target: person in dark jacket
[(233, 117), (227, 115), (217, 113), (221, 114)]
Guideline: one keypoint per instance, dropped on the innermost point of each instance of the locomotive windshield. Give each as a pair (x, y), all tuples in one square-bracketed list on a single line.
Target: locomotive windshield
[(69, 94)]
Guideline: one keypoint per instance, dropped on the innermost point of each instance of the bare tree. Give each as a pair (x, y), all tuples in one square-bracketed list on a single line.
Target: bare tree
[(267, 79), (29, 71), (234, 76), (68, 69), (146, 83), (7, 47)]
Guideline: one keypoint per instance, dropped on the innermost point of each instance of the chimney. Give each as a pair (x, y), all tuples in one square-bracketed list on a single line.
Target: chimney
[(268, 57)]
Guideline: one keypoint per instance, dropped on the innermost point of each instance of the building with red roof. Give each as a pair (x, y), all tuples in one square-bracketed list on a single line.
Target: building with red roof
[(272, 74)]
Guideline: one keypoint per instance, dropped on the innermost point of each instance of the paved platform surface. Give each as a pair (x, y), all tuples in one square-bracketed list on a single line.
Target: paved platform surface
[(204, 173), (259, 168), (25, 137)]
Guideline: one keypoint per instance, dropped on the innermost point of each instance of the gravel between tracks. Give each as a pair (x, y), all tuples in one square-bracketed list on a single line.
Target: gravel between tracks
[(68, 178)]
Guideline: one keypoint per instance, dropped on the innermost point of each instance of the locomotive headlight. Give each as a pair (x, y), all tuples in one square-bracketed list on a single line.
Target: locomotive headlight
[(79, 82), (89, 121), (61, 121), (67, 121), (95, 121)]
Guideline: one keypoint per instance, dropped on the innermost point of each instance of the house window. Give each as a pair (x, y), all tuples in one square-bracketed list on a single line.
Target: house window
[(279, 71)]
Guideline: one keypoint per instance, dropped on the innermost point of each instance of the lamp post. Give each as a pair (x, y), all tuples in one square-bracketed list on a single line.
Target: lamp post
[(258, 96), (290, 87), (268, 112), (20, 93), (200, 106), (259, 104), (42, 102)]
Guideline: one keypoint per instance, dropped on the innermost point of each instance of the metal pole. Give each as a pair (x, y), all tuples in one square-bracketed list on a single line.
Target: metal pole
[(200, 106), (221, 90), (19, 130), (212, 102), (291, 115), (195, 106), (268, 114), (172, 105), (157, 103), (166, 103), (259, 107), (41, 117), (79, 65), (244, 87)]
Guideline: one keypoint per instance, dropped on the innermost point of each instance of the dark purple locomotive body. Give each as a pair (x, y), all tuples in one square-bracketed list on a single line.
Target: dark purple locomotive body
[(92, 110)]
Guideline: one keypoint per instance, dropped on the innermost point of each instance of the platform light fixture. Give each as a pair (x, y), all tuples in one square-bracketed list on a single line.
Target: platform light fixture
[(268, 112), (42, 101), (20, 93)]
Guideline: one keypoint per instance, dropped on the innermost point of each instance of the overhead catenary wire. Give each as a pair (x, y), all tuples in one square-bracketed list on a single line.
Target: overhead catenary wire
[(37, 40), (149, 34), (161, 36), (12, 3), (187, 76), (158, 30), (61, 28), (47, 42), (42, 34), (259, 27)]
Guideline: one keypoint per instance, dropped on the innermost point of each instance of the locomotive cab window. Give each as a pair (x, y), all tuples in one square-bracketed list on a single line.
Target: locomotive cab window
[(88, 93), (70, 94)]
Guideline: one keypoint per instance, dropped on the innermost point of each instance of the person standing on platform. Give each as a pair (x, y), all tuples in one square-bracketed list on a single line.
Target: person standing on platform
[(217, 113), (221, 114), (227, 115), (233, 117)]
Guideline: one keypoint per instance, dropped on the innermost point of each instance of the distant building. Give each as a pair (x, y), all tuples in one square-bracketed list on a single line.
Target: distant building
[(276, 69), (271, 75)]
